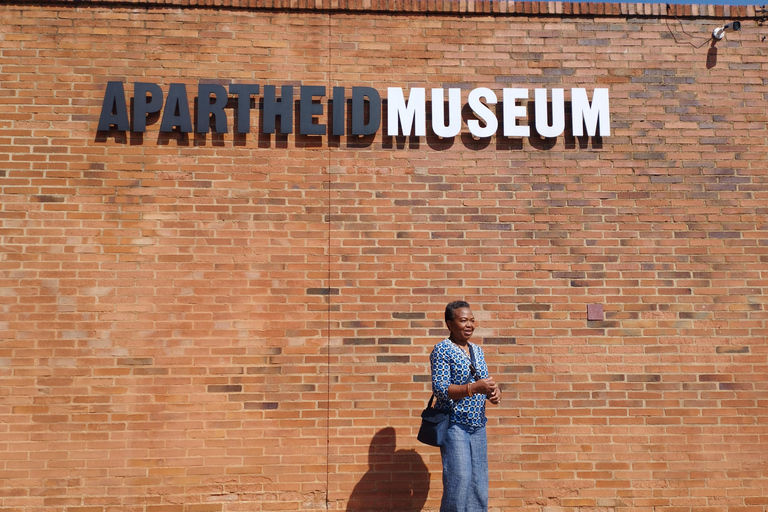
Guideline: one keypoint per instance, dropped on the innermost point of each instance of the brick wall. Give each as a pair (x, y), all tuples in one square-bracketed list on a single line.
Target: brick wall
[(231, 322)]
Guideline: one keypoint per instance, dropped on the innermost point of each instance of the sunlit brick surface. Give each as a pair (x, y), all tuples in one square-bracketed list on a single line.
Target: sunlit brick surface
[(242, 322)]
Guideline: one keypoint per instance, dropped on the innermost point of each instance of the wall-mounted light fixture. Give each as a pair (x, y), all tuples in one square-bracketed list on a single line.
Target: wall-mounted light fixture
[(719, 32)]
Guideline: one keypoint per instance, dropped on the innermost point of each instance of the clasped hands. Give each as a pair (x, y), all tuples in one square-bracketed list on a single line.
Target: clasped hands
[(489, 388)]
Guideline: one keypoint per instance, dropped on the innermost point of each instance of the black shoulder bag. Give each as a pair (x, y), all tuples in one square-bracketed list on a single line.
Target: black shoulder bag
[(434, 424)]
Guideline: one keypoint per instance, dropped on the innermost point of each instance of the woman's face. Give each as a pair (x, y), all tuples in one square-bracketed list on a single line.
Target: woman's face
[(462, 326)]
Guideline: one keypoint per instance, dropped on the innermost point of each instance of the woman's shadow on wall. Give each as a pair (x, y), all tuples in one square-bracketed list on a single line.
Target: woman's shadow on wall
[(396, 481)]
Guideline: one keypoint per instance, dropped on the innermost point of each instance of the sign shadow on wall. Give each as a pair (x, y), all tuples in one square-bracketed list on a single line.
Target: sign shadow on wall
[(396, 480)]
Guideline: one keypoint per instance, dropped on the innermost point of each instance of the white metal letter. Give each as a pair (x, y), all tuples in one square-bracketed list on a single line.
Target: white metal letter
[(454, 113), (398, 111), (483, 112), (582, 112), (558, 113), (512, 111)]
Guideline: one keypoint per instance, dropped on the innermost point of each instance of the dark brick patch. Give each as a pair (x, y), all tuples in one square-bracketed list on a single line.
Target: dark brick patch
[(644, 378), (518, 369), (394, 341), (500, 341), (732, 349), (225, 388), (260, 406), (135, 361), (393, 359), (47, 199), (409, 316), (322, 291), (358, 341)]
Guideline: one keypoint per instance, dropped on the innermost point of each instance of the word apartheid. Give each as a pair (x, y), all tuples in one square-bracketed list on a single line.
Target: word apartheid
[(360, 115)]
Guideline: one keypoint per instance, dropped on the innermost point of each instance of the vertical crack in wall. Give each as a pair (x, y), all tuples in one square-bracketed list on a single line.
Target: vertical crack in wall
[(328, 313)]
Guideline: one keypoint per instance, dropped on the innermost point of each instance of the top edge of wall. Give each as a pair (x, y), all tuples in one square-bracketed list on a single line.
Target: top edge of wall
[(491, 7)]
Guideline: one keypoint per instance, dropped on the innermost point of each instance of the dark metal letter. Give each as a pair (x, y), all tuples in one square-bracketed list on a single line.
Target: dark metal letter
[(143, 104), (206, 109), (339, 104), (114, 110), (243, 93), (176, 102), (308, 109), (282, 109), (359, 126)]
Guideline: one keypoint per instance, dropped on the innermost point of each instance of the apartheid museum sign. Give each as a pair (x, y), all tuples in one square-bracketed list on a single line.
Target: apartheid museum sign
[(403, 116)]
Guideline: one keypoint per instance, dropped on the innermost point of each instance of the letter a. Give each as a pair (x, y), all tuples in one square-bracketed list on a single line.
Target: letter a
[(114, 111)]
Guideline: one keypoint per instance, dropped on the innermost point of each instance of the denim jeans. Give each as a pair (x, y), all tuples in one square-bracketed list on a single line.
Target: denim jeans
[(465, 469)]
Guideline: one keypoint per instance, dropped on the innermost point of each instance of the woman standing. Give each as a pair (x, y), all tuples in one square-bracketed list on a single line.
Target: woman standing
[(461, 384)]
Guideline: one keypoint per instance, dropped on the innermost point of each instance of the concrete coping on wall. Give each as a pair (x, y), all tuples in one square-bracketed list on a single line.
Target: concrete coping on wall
[(475, 7)]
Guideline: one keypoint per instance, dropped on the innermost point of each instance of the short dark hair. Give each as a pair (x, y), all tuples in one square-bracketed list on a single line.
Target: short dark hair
[(453, 306)]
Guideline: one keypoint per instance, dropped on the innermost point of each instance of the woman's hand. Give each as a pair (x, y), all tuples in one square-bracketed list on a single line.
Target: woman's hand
[(495, 397), (489, 388), (484, 387)]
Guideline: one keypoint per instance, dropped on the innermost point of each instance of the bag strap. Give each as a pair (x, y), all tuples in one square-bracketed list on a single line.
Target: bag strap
[(429, 405), (472, 360)]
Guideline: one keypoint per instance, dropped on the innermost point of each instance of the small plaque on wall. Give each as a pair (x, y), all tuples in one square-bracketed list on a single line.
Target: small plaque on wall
[(595, 312)]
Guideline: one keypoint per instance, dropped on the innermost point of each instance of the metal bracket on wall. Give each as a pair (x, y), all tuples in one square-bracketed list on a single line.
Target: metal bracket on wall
[(762, 12)]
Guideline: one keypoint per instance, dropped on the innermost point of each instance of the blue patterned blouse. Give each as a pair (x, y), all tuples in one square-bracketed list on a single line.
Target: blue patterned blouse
[(450, 365)]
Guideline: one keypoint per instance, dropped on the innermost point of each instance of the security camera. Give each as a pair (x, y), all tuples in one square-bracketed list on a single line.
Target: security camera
[(719, 32)]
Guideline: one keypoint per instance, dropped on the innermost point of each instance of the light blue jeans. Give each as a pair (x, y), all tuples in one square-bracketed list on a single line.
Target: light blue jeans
[(465, 469)]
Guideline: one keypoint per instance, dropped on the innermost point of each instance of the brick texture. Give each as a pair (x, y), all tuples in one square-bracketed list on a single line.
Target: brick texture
[(242, 322)]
